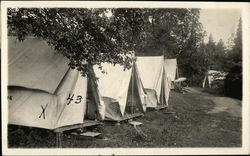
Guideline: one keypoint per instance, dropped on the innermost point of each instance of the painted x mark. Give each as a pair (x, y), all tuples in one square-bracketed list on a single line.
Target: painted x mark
[(43, 111)]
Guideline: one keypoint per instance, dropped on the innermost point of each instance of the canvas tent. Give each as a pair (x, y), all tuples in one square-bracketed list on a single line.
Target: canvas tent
[(153, 76), (122, 91), (211, 76), (171, 70), (44, 92)]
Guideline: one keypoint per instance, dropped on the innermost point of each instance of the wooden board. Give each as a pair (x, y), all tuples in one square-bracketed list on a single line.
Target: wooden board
[(135, 123), (160, 107), (90, 134), (87, 123)]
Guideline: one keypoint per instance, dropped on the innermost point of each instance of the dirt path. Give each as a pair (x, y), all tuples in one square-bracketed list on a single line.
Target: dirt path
[(232, 106), (222, 104)]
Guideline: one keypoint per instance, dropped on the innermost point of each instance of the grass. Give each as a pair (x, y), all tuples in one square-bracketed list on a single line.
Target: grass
[(190, 126)]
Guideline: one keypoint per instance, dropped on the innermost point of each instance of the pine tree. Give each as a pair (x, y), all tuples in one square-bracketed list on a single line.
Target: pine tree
[(233, 81)]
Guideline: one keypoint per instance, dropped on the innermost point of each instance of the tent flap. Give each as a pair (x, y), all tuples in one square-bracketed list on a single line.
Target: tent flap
[(114, 83), (151, 70), (171, 68)]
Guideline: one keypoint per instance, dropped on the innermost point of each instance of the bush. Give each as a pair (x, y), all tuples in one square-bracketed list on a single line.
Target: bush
[(195, 80), (233, 83), (217, 84)]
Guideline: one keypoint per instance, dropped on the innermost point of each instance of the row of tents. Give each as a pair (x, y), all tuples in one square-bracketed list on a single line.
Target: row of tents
[(44, 92)]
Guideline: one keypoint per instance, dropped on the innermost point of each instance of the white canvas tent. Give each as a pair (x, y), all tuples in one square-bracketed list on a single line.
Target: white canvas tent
[(211, 76), (171, 70), (122, 91), (42, 91), (151, 70)]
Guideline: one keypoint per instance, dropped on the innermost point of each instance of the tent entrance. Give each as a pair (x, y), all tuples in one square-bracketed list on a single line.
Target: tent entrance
[(134, 103), (151, 98), (112, 109), (121, 92), (162, 94), (133, 106)]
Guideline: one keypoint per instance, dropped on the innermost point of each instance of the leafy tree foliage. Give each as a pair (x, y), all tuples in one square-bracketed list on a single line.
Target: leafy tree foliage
[(174, 33), (89, 36), (86, 37), (170, 32)]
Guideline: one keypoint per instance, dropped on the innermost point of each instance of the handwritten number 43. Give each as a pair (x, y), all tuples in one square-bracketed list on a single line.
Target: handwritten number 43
[(71, 98)]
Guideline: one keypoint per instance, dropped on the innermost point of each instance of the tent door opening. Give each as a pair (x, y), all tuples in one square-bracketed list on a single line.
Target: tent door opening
[(133, 101)]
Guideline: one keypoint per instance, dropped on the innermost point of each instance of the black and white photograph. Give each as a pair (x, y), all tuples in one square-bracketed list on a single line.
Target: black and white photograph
[(125, 77)]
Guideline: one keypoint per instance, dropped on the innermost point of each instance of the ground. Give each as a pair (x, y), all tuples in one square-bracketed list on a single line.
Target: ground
[(196, 119)]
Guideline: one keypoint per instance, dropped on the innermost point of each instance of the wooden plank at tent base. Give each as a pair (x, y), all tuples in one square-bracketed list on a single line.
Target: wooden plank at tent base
[(126, 117), (86, 135), (87, 123), (90, 134), (130, 116), (160, 107), (135, 123)]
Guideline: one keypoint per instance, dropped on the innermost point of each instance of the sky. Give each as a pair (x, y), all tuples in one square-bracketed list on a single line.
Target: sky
[(221, 23)]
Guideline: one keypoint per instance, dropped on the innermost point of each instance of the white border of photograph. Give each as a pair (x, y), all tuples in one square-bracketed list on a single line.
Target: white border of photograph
[(245, 7)]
